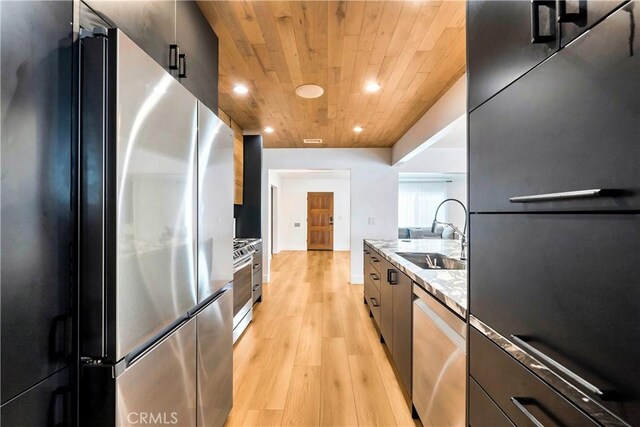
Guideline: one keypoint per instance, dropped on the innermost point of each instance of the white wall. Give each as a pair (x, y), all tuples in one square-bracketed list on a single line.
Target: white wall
[(374, 191), (436, 123), (457, 189), (274, 180), (437, 160), (293, 209)]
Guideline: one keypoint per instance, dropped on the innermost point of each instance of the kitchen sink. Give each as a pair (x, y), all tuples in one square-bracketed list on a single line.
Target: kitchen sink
[(438, 261)]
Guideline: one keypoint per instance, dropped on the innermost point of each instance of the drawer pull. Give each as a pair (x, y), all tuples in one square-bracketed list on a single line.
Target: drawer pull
[(526, 412), (548, 360), (536, 37), (392, 277), (567, 195), (374, 302), (576, 17), (367, 252), (374, 259), (375, 276)]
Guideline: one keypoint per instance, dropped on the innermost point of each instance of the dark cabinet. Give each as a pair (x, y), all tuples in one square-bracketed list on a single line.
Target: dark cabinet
[(483, 412), (249, 214), (396, 299), (36, 188), (402, 326), (150, 24), (571, 125), (568, 285), (499, 43), (47, 404), (521, 396), (386, 304), (372, 284), (577, 16), (199, 43), (155, 26)]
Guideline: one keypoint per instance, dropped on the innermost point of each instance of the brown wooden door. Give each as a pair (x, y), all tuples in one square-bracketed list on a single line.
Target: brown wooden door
[(320, 221)]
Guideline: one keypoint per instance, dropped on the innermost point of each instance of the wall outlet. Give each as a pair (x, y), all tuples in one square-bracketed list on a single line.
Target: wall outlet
[(372, 221), (296, 224)]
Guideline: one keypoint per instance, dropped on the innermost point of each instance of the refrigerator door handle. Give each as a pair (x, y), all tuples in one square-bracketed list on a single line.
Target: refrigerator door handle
[(93, 193)]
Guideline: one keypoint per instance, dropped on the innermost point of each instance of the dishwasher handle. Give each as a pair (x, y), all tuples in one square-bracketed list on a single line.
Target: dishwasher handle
[(443, 326)]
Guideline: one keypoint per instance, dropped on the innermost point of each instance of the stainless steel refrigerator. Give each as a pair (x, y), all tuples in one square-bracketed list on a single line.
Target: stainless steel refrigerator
[(156, 213)]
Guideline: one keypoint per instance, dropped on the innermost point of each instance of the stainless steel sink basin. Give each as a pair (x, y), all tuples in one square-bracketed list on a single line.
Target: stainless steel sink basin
[(438, 261)]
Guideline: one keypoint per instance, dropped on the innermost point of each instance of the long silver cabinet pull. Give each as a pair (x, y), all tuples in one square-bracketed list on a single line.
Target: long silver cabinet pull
[(548, 360), (526, 412), (566, 195)]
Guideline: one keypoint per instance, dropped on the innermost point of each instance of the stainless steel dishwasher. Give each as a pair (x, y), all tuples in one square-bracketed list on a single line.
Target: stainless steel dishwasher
[(439, 362)]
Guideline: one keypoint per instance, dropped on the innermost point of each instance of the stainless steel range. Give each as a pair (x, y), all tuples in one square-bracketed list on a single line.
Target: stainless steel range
[(247, 288)]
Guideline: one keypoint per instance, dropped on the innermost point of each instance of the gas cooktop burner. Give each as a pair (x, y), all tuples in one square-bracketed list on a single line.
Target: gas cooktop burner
[(244, 247)]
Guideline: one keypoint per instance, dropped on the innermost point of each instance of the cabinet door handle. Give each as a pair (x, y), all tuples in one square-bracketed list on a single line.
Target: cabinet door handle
[(182, 66), (374, 259), (548, 360), (60, 337), (566, 195), (367, 252), (526, 412), (374, 302), (563, 16), (392, 277), (535, 21), (174, 52), (375, 276)]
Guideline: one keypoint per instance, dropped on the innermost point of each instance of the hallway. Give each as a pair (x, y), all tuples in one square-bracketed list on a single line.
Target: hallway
[(311, 356)]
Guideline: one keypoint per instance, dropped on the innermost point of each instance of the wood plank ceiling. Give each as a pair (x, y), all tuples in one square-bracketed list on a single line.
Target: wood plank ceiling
[(415, 50)]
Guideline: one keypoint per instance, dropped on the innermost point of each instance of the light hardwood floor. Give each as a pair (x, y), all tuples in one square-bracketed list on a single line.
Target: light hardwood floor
[(311, 355)]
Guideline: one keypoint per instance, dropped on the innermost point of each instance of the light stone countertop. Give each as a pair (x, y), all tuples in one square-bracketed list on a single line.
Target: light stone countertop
[(447, 286)]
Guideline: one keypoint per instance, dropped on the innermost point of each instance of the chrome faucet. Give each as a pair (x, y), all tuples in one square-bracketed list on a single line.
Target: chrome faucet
[(462, 233)]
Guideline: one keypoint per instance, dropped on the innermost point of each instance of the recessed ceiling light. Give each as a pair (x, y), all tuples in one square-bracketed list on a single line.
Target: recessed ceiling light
[(241, 89), (358, 129), (309, 91), (268, 129), (372, 87)]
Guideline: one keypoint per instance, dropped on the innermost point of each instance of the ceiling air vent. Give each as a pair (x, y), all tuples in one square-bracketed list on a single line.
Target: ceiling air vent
[(312, 141)]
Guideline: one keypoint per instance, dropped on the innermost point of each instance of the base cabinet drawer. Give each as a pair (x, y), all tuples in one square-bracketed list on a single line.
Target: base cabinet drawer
[(483, 412), (374, 261), (568, 285), (520, 395), (372, 295)]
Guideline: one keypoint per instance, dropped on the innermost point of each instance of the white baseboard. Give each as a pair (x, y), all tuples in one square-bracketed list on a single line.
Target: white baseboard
[(357, 279)]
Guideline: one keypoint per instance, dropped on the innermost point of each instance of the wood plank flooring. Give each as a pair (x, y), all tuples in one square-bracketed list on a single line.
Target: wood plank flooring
[(311, 356)]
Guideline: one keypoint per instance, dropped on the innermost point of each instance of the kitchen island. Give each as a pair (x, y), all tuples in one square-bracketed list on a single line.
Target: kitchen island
[(447, 286), (416, 292)]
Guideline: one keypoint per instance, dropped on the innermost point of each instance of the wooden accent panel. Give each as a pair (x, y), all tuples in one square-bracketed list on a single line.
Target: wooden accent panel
[(320, 221), (414, 49), (238, 156)]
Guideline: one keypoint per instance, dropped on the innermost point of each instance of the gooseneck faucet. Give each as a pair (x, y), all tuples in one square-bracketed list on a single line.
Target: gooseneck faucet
[(462, 233)]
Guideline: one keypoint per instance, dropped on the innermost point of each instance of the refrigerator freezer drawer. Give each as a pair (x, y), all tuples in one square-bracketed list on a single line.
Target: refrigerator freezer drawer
[(215, 361), (157, 388)]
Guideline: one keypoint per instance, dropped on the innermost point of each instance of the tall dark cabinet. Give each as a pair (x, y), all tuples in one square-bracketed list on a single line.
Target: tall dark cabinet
[(554, 161), (249, 215), (37, 212), (155, 26)]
